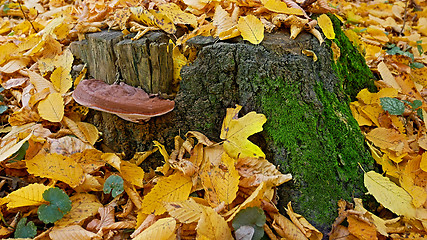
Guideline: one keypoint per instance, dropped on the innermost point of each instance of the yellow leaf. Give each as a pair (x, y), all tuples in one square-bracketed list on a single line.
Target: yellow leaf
[(186, 212), (40, 83), (84, 131), (380, 224), (389, 194), (31, 195), (61, 79), (52, 108), (361, 229), (179, 60), (56, 167), (387, 138), (285, 228), (83, 206), (174, 12), (360, 117), (310, 53), (235, 132), (221, 181), (325, 24), (6, 49), (11, 148), (280, 7), (89, 131), (14, 65), (213, 226), (423, 164), (73, 232), (165, 168), (408, 178), (253, 200), (336, 52), (387, 76), (377, 33), (112, 159), (309, 231), (163, 229), (132, 173), (176, 187), (251, 29), (254, 171), (222, 20), (133, 195)]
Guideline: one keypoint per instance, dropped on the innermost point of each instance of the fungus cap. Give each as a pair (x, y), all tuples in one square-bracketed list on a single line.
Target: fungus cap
[(130, 103)]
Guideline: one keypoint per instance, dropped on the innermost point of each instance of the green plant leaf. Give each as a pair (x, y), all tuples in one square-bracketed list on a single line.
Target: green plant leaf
[(253, 217), (392, 105), (113, 184), (416, 65), (420, 114), (60, 204), (419, 47), (20, 154), (24, 229), (416, 104), (3, 108)]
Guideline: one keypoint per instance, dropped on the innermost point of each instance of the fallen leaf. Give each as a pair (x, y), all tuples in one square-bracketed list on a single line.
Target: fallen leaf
[(325, 24), (235, 132), (174, 188), (56, 167), (389, 194), (163, 229), (52, 108), (251, 29), (31, 195)]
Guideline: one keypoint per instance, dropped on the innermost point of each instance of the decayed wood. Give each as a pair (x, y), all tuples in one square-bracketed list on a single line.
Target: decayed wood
[(145, 63)]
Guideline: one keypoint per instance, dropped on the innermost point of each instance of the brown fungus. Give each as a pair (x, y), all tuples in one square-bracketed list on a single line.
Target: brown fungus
[(130, 103)]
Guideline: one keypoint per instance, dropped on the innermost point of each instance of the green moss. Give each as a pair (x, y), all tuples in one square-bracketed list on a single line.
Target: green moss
[(323, 145), (351, 67)]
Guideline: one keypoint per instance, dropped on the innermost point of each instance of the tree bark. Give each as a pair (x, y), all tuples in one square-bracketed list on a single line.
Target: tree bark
[(310, 131)]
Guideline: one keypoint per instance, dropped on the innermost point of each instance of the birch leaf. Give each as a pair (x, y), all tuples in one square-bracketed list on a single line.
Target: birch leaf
[(280, 7), (61, 79), (31, 195), (251, 29), (163, 229), (389, 194), (83, 206), (56, 167), (325, 24), (212, 226), (186, 212), (52, 108)]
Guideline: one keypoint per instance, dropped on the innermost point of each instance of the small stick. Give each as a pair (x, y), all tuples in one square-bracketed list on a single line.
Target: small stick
[(404, 18), (26, 17)]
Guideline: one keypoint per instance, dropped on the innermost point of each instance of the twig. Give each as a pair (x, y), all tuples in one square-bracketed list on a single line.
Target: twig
[(404, 18), (26, 17)]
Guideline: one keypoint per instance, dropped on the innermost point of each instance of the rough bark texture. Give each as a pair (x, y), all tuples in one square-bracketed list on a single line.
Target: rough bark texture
[(310, 131)]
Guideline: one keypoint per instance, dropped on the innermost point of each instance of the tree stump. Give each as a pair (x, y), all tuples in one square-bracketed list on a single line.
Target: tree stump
[(310, 131)]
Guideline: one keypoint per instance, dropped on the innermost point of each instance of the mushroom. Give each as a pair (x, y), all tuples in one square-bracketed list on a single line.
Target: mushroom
[(130, 103)]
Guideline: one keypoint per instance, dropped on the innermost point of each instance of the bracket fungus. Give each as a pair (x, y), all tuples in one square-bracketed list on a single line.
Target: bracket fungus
[(130, 103)]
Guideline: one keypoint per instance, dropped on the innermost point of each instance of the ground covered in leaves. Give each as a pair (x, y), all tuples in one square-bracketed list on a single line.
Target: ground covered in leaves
[(55, 184)]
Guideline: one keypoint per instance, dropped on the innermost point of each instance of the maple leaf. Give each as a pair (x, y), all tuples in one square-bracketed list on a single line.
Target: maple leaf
[(235, 132), (174, 188)]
